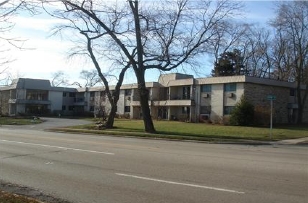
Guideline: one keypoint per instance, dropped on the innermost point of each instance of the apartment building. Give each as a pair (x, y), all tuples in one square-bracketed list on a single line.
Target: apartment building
[(174, 96), (27, 96)]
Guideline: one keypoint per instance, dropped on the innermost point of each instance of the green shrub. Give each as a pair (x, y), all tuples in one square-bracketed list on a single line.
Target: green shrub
[(243, 113)]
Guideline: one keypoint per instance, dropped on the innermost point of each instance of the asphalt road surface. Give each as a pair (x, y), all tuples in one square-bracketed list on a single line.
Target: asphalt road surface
[(89, 169)]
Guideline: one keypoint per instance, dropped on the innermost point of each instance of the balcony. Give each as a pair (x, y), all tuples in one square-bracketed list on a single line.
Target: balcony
[(79, 102), (26, 101), (186, 102)]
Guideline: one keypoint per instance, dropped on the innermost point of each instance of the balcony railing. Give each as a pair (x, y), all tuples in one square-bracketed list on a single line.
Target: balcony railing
[(26, 101), (187, 102)]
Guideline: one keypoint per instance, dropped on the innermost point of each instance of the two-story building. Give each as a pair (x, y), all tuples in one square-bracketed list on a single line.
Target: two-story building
[(35, 97), (174, 96)]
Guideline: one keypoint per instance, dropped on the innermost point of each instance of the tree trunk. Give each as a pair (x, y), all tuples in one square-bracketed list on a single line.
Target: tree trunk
[(146, 114), (111, 116), (144, 103)]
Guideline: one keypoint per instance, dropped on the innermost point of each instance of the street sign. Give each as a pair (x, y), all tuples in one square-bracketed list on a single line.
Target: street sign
[(271, 97)]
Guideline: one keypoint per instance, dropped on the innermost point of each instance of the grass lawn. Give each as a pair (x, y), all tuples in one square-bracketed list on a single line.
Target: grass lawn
[(13, 198), (201, 131), (18, 121)]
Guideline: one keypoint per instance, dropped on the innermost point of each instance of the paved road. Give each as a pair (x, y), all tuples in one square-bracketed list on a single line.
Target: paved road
[(86, 168)]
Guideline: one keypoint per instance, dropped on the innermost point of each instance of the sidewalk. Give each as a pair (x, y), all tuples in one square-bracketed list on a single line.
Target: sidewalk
[(299, 141)]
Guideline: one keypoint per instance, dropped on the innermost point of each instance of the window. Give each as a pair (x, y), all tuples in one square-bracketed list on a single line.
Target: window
[(228, 110), (128, 92), (63, 108), (92, 94), (292, 92), (79, 99), (186, 92), (91, 108), (41, 95), (64, 94), (127, 109), (230, 87), (72, 94), (71, 108), (206, 88), (185, 110), (205, 109)]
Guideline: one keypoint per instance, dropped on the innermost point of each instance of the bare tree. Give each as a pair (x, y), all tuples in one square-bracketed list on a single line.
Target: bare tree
[(291, 50), (5, 26), (8, 9), (162, 35), (257, 51), (229, 36), (10, 77), (59, 78), (90, 78), (91, 46)]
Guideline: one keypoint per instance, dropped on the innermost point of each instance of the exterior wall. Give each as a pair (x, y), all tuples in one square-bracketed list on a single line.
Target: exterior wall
[(231, 100), (97, 104), (155, 93), (257, 94), (67, 103), (4, 105), (127, 103), (305, 112), (121, 103), (166, 78), (21, 93), (217, 101), (56, 101), (21, 109)]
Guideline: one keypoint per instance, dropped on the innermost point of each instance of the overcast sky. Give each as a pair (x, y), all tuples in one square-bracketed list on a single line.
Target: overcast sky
[(46, 54)]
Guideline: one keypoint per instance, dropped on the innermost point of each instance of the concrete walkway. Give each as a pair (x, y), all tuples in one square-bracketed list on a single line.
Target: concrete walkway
[(299, 141)]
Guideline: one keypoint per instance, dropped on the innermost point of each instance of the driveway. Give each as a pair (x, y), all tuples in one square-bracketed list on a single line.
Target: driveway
[(51, 123)]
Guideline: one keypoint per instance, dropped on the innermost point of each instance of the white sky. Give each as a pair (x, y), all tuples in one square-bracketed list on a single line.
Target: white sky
[(48, 54)]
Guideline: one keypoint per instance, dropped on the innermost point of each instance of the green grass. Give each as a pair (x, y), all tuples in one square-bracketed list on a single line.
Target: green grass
[(199, 131), (18, 121)]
